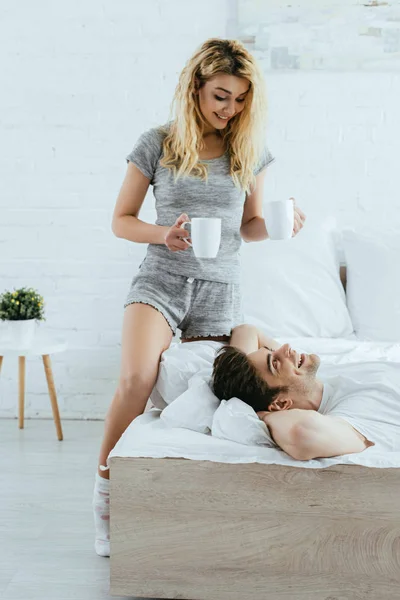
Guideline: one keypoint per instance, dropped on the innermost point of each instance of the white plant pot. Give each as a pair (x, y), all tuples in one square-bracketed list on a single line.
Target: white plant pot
[(21, 333)]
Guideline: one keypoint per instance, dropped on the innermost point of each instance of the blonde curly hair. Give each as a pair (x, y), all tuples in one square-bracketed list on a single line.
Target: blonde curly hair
[(244, 135)]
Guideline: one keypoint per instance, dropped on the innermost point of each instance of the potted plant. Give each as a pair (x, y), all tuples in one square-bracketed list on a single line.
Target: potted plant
[(21, 309)]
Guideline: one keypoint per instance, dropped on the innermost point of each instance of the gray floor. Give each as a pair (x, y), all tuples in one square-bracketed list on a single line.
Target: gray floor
[(46, 525)]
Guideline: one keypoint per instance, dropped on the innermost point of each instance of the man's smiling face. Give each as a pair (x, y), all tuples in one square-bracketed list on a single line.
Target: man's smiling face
[(286, 367)]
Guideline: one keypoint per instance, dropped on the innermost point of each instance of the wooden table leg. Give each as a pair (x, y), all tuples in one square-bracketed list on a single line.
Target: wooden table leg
[(53, 395), (21, 386)]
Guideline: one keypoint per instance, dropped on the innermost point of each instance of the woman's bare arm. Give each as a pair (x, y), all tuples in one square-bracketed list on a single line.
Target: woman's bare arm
[(125, 222), (249, 339)]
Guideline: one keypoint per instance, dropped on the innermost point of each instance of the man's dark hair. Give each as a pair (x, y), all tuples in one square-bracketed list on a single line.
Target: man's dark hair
[(234, 376)]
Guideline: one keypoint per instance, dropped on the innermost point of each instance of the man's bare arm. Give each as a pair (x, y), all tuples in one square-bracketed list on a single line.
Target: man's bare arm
[(266, 342), (249, 339), (307, 434)]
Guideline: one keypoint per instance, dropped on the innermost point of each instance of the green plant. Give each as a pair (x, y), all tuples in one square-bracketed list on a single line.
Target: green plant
[(21, 304)]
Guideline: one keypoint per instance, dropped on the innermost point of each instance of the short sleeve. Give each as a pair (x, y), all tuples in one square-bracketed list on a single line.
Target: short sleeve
[(146, 152), (266, 159)]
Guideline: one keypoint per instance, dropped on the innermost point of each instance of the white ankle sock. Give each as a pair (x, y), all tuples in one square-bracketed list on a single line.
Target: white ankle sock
[(101, 512)]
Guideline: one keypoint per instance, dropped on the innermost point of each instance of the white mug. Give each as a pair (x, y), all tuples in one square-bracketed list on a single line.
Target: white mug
[(205, 235), (279, 219)]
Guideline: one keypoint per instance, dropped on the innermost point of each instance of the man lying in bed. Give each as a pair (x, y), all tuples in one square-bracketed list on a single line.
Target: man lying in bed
[(300, 411)]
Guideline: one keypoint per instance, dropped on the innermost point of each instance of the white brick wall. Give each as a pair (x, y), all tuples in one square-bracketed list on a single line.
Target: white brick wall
[(80, 83), (336, 138)]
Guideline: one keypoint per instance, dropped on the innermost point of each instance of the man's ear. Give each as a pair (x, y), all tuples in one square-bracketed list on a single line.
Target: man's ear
[(281, 403)]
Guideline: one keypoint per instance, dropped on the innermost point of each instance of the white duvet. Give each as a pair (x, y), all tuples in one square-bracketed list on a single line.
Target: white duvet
[(194, 425)]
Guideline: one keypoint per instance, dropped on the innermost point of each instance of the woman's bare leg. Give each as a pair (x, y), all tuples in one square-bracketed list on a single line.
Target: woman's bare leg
[(145, 336)]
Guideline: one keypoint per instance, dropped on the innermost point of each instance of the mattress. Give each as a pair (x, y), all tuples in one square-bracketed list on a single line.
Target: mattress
[(148, 436)]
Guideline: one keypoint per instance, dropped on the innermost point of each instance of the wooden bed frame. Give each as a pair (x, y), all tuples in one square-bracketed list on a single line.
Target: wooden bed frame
[(212, 531), (199, 530)]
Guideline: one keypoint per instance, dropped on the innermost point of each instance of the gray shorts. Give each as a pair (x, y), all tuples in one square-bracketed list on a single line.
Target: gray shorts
[(198, 307)]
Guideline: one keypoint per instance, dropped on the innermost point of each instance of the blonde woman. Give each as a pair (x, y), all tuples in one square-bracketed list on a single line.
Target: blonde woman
[(208, 161)]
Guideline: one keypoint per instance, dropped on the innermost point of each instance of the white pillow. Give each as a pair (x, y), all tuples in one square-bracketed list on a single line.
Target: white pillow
[(373, 283), (236, 421), (200, 410), (293, 287), (178, 364), (195, 408)]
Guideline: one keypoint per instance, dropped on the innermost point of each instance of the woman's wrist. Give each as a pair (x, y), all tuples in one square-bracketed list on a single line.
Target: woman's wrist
[(133, 229), (147, 233), (163, 230), (254, 230)]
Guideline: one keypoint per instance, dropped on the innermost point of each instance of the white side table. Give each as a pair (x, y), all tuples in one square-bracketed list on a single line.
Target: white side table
[(43, 345)]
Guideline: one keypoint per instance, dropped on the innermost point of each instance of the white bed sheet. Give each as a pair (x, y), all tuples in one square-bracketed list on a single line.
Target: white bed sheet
[(149, 437)]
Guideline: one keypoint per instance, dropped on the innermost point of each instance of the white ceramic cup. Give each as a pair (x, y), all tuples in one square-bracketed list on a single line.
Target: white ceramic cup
[(205, 235), (279, 219)]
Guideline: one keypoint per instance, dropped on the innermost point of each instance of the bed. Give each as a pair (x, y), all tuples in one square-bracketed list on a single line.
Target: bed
[(197, 517), (201, 518)]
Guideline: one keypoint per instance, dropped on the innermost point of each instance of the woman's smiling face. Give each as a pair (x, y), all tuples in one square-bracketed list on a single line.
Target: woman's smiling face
[(222, 98)]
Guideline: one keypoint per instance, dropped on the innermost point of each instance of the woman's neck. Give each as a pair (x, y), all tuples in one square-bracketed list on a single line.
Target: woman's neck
[(211, 133)]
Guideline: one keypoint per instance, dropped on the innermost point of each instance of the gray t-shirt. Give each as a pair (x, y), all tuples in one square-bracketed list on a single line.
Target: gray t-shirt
[(217, 198)]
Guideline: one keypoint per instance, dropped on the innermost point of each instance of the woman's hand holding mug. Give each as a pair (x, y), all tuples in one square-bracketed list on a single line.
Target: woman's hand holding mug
[(283, 219), (176, 237), (299, 218)]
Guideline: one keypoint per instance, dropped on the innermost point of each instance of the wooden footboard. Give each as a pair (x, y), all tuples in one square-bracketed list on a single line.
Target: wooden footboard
[(212, 531)]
